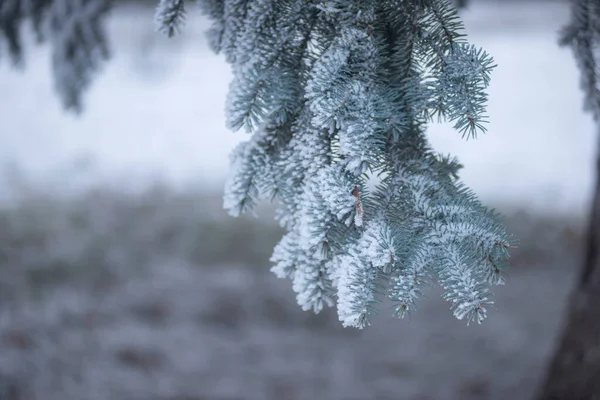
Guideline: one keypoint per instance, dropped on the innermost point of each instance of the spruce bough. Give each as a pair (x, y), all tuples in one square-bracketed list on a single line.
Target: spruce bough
[(337, 95)]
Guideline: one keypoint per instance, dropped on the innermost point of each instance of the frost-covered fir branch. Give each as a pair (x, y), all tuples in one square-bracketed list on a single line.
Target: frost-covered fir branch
[(170, 16), (582, 34), (338, 94), (75, 30)]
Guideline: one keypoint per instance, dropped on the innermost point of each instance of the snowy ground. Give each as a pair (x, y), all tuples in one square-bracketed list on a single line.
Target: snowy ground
[(160, 296), (157, 111)]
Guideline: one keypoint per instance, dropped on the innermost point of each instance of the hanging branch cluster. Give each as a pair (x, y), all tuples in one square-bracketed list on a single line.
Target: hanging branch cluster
[(337, 95), (75, 31), (582, 34), (170, 16)]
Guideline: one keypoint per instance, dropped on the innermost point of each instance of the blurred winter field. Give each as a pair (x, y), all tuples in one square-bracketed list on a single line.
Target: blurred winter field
[(122, 278), (157, 296)]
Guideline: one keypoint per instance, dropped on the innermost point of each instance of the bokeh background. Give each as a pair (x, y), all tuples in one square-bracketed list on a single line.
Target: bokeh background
[(122, 278)]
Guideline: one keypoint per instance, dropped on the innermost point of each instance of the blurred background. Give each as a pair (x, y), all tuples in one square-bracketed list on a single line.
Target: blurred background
[(122, 278)]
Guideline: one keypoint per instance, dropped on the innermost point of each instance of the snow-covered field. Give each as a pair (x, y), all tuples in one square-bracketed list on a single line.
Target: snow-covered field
[(156, 111), (161, 296)]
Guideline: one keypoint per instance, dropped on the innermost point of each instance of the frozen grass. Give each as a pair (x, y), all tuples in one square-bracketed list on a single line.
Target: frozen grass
[(48, 240), (159, 295)]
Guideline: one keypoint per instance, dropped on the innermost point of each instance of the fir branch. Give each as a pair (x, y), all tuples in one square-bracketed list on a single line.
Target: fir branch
[(79, 46), (463, 287), (75, 31), (215, 11), (583, 35), (409, 276), (170, 16), (351, 86), (252, 172)]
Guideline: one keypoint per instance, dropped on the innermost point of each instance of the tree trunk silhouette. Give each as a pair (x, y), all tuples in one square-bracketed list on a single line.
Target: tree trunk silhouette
[(574, 371)]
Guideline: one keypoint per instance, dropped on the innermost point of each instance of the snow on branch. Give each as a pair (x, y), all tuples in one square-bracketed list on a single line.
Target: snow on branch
[(347, 90), (75, 30), (582, 34), (170, 16)]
